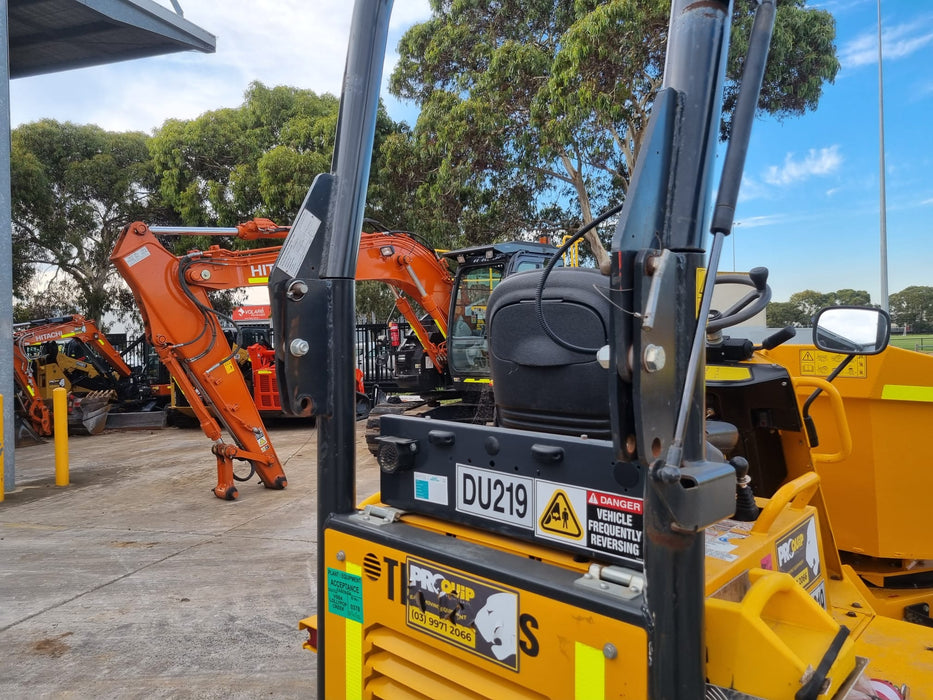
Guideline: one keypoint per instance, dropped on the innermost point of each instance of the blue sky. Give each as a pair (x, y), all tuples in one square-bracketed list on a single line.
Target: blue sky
[(809, 208), (810, 205)]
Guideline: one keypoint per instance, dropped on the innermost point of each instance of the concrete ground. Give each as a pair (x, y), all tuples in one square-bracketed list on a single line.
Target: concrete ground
[(135, 582)]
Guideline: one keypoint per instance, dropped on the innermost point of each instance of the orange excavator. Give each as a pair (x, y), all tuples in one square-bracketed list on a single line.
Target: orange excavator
[(185, 330), (412, 270), (35, 411), (70, 352)]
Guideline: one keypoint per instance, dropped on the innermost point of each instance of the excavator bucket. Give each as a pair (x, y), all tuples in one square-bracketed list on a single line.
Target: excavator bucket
[(23, 433), (87, 415)]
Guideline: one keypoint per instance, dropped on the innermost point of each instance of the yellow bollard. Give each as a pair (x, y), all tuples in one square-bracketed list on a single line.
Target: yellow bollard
[(1, 448), (60, 421)]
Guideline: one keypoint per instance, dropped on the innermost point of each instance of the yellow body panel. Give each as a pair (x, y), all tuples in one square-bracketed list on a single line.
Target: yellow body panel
[(872, 494), (380, 644), (764, 628)]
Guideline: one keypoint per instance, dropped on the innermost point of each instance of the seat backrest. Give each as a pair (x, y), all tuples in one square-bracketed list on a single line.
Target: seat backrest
[(537, 383)]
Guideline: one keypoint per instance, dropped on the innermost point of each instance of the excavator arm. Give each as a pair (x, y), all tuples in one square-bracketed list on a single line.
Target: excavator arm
[(184, 328), (34, 407), (410, 267)]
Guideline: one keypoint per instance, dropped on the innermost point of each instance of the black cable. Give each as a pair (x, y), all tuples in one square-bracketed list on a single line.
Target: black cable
[(206, 311), (539, 309)]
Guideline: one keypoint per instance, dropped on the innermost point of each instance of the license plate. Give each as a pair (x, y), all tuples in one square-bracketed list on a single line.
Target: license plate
[(496, 496)]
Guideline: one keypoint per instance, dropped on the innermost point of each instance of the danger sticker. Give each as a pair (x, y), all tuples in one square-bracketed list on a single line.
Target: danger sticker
[(605, 522), (615, 524)]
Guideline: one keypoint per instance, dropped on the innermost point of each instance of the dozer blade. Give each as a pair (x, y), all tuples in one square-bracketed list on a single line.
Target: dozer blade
[(88, 415), (137, 420)]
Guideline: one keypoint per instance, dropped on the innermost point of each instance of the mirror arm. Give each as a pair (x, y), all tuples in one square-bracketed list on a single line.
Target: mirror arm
[(807, 418)]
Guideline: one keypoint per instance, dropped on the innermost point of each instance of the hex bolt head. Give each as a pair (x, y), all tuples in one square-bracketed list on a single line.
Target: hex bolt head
[(296, 290), (610, 651), (341, 555), (205, 274), (299, 347), (654, 358)]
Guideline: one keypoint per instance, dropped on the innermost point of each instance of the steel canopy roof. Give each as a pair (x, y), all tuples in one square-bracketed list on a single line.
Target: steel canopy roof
[(46, 36)]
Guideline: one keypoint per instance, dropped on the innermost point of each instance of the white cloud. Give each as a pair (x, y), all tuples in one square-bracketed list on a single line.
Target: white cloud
[(821, 161), (758, 221), (898, 41), (926, 202), (278, 42), (751, 189)]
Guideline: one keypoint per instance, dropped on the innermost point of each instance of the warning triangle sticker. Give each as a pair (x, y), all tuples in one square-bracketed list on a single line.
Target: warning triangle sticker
[(592, 499), (807, 356), (559, 519)]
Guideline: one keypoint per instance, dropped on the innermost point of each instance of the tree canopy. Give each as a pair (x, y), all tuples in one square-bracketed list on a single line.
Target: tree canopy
[(529, 105), (258, 159), (73, 188), (912, 308), (799, 310)]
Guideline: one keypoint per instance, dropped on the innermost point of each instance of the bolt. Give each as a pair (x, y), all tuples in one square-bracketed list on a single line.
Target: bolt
[(296, 290), (610, 651), (654, 358), (299, 347), (341, 555), (205, 274), (602, 357)]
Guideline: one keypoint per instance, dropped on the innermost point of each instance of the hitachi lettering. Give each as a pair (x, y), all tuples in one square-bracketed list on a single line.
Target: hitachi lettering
[(260, 270)]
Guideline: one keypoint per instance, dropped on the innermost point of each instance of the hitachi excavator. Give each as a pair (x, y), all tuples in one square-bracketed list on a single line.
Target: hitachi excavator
[(71, 352), (31, 409), (575, 551), (185, 330)]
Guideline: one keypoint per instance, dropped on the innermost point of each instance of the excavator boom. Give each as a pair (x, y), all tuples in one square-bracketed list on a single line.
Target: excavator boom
[(184, 329), (410, 267)]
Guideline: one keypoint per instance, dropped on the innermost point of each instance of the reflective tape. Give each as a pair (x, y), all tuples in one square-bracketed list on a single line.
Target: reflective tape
[(904, 392), (353, 634), (589, 673)]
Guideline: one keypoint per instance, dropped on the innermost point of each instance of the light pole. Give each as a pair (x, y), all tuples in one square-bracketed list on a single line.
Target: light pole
[(884, 231)]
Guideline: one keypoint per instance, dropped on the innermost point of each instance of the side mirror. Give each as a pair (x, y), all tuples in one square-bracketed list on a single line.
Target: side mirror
[(853, 330)]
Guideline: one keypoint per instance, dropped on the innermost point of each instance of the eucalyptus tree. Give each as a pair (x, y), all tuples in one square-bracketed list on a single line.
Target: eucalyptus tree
[(527, 104)]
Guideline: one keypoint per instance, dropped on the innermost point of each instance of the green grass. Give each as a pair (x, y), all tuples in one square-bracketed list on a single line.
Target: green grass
[(913, 342)]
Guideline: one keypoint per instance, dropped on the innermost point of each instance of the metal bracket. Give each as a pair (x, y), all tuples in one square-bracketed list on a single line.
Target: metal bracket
[(380, 515), (615, 581)]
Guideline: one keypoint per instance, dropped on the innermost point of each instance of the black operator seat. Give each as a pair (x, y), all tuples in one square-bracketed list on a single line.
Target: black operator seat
[(538, 384)]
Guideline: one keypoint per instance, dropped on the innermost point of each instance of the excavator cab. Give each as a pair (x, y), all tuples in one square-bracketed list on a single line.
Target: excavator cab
[(479, 271)]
